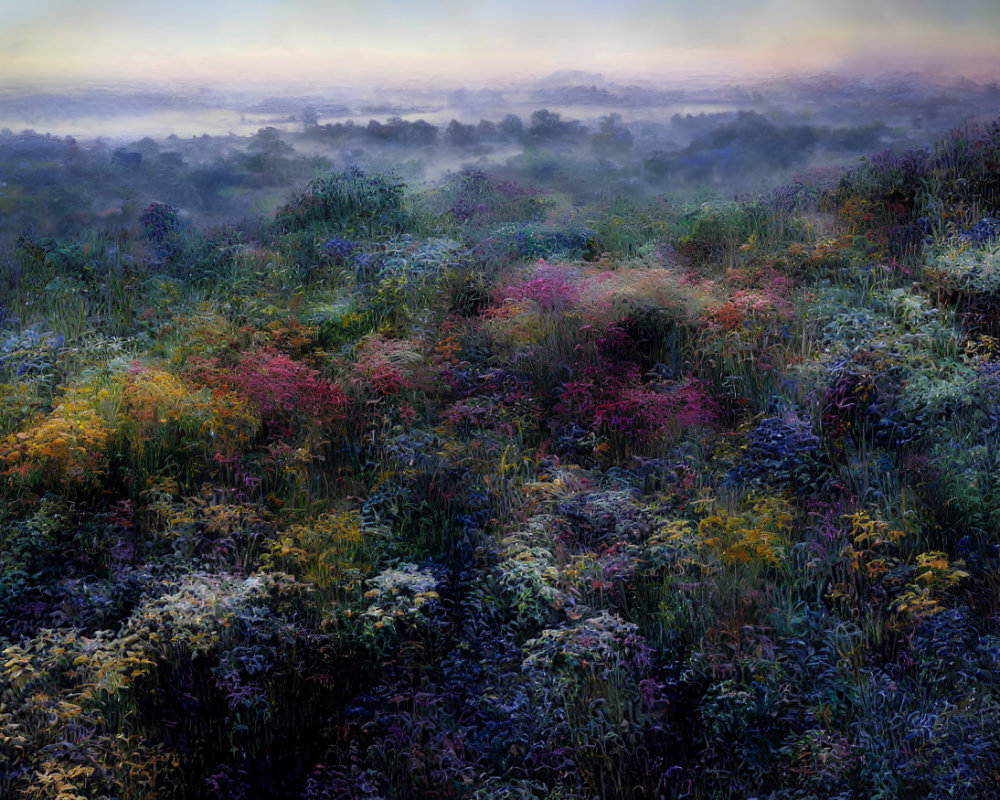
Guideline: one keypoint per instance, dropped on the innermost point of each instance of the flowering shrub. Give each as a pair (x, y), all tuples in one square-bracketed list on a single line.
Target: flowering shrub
[(340, 249), (748, 308), (985, 230), (595, 673), (158, 418), (761, 534), (963, 266), (327, 552), (868, 564), (63, 451), (385, 367), (401, 594), (527, 577), (603, 646), (548, 290), (934, 577), (284, 392), (622, 407), (592, 519), (829, 254)]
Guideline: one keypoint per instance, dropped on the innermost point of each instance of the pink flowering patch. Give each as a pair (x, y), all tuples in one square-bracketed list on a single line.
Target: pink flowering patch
[(285, 392), (550, 293), (385, 367), (640, 413)]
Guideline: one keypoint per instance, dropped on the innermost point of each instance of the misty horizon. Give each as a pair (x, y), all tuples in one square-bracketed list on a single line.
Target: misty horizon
[(250, 100), (159, 109)]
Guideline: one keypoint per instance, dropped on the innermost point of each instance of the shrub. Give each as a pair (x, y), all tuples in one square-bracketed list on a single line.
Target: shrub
[(781, 451), (290, 398), (350, 203), (63, 451)]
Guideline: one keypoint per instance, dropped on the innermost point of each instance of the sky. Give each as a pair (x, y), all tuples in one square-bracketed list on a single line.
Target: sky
[(228, 43)]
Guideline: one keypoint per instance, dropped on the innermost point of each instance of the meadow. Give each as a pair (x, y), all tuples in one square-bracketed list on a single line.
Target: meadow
[(497, 484)]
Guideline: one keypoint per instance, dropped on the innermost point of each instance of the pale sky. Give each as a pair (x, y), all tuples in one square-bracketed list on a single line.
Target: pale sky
[(228, 42)]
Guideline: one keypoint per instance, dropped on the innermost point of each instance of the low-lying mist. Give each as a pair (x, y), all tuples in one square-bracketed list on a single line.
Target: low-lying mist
[(99, 156)]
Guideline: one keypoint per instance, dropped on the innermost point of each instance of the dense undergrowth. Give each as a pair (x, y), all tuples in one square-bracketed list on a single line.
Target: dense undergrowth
[(464, 491)]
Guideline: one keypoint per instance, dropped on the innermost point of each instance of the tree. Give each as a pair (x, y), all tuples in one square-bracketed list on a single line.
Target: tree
[(267, 142), (461, 135), (309, 118), (611, 137), (547, 126), (511, 127)]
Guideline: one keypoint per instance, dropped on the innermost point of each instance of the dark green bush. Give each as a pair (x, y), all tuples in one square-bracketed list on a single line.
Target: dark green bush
[(349, 202)]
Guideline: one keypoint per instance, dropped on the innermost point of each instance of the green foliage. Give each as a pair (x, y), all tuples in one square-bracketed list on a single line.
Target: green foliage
[(348, 202), (959, 267), (718, 229)]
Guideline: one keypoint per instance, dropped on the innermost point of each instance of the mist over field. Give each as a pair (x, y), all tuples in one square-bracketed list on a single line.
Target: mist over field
[(244, 102), (227, 154)]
